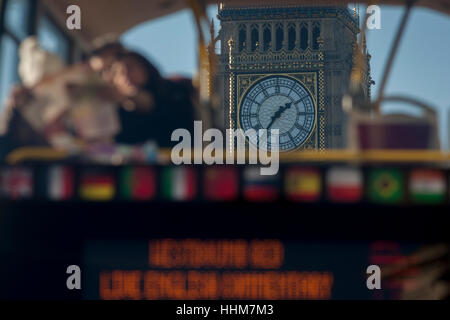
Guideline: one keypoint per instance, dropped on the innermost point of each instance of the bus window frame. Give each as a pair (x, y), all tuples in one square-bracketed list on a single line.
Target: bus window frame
[(37, 9), (44, 13)]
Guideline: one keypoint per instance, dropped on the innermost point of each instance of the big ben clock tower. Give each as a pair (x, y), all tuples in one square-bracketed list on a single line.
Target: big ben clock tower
[(287, 68)]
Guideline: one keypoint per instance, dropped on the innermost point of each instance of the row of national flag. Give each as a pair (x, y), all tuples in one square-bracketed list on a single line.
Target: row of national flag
[(344, 184)]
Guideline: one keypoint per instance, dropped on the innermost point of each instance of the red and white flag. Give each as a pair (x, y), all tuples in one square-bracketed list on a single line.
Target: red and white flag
[(16, 183), (60, 183), (344, 184)]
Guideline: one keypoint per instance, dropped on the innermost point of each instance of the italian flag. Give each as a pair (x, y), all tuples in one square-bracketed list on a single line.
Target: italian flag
[(344, 185), (60, 183), (179, 183), (427, 186)]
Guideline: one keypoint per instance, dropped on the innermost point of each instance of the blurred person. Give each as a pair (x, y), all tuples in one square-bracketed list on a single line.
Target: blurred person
[(103, 58), (35, 68), (36, 63), (152, 107)]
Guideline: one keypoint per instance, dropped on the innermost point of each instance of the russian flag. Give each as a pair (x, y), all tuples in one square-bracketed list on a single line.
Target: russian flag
[(259, 188)]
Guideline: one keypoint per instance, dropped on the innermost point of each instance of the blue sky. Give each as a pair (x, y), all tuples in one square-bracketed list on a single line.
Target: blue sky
[(421, 69)]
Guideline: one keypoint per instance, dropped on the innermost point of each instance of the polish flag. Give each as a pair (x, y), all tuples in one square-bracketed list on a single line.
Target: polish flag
[(344, 185)]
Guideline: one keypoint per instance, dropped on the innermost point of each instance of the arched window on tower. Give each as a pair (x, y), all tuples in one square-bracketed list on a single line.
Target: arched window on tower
[(255, 37), (218, 47), (304, 36), (280, 37), (291, 37), (316, 35), (267, 35), (242, 37)]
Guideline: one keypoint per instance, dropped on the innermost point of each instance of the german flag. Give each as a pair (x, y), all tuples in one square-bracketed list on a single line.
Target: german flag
[(97, 186)]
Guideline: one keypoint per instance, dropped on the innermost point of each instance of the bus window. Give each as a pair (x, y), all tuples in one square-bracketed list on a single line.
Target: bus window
[(15, 28), (17, 20), (52, 39), (8, 65)]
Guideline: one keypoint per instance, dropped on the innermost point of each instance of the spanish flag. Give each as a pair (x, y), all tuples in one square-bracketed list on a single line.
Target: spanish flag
[(97, 187), (303, 184)]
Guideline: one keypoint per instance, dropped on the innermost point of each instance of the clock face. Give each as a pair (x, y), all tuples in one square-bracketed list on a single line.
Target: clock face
[(279, 102)]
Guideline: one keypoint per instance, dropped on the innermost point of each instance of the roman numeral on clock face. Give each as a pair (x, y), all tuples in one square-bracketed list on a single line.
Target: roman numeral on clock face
[(301, 99), (264, 91), (299, 126), (253, 101)]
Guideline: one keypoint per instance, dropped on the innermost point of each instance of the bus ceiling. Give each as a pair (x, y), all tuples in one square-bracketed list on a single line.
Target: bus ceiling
[(102, 17)]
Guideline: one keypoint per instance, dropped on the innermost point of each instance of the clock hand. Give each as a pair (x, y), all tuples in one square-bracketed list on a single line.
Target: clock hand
[(287, 106), (275, 117), (278, 114)]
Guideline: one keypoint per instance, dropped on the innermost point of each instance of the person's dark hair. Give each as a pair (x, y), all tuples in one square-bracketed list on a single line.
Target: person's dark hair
[(155, 80), (108, 47)]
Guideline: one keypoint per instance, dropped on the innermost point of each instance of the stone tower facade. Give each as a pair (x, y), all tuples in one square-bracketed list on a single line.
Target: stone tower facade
[(312, 45)]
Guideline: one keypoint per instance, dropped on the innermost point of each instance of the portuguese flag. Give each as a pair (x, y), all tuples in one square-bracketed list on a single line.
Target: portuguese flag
[(303, 184), (386, 186), (138, 183), (179, 183), (97, 187), (427, 186)]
